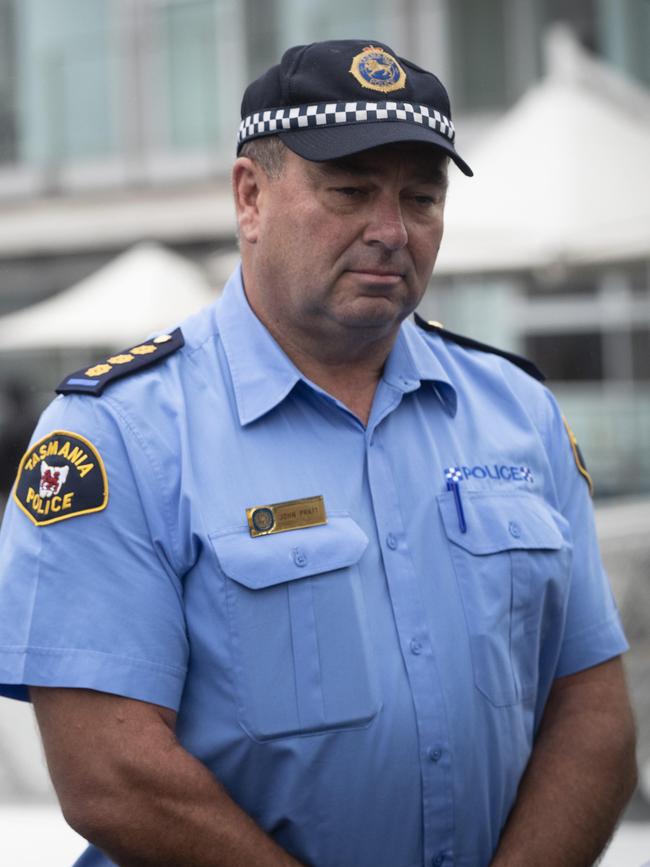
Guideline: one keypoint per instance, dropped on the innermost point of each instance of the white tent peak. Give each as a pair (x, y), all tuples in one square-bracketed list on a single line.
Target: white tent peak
[(148, 288), (561, 177), (567, 63)]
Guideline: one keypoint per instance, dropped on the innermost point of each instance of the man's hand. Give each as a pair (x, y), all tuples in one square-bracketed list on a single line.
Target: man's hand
[(581, 774), (126, 785)]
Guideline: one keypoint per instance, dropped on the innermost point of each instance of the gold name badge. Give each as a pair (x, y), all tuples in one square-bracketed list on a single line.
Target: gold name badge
[(292, 515)]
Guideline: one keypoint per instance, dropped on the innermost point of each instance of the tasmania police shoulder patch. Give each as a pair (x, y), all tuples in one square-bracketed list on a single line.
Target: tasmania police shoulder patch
[(60, 476), (93, 380), (468, 342)]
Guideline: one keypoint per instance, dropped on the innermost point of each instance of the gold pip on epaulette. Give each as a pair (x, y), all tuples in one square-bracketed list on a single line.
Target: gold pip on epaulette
[(93, 380)]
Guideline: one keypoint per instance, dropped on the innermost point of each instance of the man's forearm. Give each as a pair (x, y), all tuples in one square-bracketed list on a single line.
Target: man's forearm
[(580, 776), (128, 786), (184, 819), (179, 816)]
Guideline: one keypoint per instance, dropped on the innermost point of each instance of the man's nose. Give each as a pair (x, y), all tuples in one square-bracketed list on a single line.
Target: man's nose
[(386, 226)]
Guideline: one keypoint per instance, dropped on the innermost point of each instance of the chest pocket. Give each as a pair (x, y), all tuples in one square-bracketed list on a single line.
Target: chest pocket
[(513, 571), (298, 629)]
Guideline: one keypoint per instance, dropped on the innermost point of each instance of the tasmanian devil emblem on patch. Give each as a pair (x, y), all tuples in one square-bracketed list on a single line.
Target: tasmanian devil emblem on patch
[(52, 479)]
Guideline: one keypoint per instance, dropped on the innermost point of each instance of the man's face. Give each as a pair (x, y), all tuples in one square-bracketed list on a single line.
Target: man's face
[(347, 247)]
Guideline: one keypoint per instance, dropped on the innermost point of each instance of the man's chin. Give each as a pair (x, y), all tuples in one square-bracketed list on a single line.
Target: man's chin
[(379, 313)]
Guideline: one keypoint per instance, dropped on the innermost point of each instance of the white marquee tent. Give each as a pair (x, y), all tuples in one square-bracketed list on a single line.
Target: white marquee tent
[(148, 288), (562, 178)]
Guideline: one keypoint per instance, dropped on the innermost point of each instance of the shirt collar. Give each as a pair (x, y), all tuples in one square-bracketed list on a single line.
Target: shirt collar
[(412, 361), (263, 375)]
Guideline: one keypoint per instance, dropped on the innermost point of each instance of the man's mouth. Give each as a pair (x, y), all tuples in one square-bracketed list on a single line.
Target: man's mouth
[(379, 276)]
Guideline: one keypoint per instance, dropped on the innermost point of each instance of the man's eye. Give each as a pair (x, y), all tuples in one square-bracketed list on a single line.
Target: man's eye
[(349, 192), (425, 200)]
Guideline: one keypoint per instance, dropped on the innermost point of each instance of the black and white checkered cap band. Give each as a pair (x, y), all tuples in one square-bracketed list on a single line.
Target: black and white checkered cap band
[(342, 113)]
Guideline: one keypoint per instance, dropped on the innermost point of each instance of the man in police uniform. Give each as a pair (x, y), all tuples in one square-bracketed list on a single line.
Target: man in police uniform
[(303, 582)]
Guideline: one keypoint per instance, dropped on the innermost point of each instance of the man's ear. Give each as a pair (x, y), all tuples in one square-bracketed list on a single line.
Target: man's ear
[(247, 182)]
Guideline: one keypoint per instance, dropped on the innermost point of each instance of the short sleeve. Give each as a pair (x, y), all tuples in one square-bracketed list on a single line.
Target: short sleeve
[(93, 600), (592, 631)]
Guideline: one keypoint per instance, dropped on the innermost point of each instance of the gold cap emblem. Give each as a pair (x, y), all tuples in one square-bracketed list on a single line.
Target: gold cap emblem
[(376, 69)]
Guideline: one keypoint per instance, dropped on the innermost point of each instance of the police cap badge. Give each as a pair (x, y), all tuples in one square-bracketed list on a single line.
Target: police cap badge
[(376, 69), (331, 99)]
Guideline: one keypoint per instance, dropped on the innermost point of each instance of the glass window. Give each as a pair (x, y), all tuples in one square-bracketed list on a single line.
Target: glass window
[(8, 83), (66, 106), (478, 32), (304, 21), (567, 357), (562, 286), (263, 41), (641, 353), (624, 27), (639, 278), (190, 46)]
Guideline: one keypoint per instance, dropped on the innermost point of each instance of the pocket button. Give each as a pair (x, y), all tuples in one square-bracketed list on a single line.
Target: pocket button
[(299, 557), (514, 529)]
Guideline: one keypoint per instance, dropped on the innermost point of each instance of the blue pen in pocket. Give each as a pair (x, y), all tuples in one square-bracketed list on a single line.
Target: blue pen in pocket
[(454, 476)]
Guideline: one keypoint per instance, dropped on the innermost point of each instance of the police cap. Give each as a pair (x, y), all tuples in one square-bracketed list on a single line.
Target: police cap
[(331, 99)]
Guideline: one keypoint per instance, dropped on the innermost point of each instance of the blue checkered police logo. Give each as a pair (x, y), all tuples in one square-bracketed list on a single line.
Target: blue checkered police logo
[(340, 114), (505, 472), (454, 474)]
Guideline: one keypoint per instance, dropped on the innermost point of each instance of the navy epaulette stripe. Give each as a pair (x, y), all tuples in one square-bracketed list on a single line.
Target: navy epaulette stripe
[(469, 343), (94, 379)]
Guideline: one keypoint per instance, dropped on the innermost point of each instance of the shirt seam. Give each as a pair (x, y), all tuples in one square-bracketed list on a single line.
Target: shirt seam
[(545, 431), (612, 620), (166, 508), (66, 651)]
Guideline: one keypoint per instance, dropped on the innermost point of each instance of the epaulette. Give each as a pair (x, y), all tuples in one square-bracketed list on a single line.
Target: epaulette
[(93, 380), (469, 343)]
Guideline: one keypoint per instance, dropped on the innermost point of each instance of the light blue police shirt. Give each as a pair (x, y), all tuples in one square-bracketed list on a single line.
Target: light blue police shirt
[(367, 690)]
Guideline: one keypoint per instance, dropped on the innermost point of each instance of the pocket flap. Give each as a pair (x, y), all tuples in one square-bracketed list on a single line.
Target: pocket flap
[(499, 522), (267, 560)]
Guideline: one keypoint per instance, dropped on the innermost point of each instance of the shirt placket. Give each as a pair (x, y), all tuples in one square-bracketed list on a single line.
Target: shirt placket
[(416, 647)]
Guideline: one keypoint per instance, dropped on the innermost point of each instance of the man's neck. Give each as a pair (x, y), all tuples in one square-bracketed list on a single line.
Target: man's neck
[(351, 377)]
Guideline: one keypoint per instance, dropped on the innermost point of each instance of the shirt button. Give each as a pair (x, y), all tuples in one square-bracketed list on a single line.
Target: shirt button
[(434, 754), (416, 646), (391, 541), (437, 861), (299, 557), (514, 529)]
